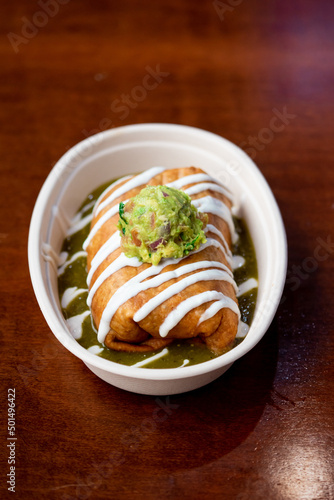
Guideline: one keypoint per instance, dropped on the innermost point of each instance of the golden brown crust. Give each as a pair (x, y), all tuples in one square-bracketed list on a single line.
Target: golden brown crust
[(150, 344), (125, 334)]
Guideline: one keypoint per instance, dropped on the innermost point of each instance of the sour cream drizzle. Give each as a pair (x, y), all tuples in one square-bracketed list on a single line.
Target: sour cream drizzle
[(207, 204), (214, 308), (74, 257), (198, 188), (78, 222), (106, 191), (212, 229), (247, 286), (116, 265), (79, 225), (242, 330), (200, 178), (123, 261), (152, 358), (237, 261), (218, 271), (211, 205), (105, 217), (75, 324), (70, 294), (95, 349), (106, 249), (209, 275), (134, 182), (114, 242), (187, 305), (137, 284)]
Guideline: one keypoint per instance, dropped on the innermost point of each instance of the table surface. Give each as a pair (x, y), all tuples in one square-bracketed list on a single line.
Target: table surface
[(265, 428)]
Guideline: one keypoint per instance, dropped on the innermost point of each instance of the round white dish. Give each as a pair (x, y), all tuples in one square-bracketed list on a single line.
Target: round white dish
[(132, 149)]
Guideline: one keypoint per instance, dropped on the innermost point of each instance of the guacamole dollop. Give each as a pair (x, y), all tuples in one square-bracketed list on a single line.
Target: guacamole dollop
[(160, 222)]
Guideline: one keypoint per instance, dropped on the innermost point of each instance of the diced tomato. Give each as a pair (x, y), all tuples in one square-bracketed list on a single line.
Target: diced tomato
[(134, 234)]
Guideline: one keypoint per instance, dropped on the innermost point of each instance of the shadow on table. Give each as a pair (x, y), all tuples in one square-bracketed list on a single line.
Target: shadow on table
[(204, 425), (217, 418)]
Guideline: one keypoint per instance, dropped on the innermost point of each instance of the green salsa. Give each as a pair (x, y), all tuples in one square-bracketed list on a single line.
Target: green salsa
[(180, 352)]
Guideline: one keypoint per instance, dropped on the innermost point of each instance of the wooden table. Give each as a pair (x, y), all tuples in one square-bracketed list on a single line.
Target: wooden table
[(259, 74)]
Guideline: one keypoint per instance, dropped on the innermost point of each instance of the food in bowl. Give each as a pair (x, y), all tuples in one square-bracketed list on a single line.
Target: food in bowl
[(160, 222), (158, 248), (133, 149)]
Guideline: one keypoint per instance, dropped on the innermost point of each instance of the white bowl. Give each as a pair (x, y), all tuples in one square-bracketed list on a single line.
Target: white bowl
[(134, 148)]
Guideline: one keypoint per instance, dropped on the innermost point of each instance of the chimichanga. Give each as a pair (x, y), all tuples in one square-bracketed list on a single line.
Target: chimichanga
[(138, 306)]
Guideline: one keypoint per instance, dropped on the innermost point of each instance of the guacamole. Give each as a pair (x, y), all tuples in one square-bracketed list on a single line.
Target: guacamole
[(160, 222)]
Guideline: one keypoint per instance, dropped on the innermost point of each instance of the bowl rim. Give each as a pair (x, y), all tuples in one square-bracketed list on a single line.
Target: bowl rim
[(58, 327)]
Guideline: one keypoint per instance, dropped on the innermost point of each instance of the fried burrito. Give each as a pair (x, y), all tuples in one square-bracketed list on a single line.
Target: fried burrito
[(159, 261)]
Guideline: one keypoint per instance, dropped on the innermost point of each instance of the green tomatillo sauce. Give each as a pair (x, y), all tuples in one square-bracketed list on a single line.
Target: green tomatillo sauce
[(72, 276)]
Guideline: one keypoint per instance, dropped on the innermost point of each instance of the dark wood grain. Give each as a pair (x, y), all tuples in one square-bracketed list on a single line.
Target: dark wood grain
[(265, 429)]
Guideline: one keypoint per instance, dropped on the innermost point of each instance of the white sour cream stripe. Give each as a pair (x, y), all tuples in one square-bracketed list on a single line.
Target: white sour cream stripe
[(237, 261), (187, 305), (114, 242), (105, 217), (62, 258), (78, 216), (78, 222), (116, 265), (86, 207), (95, 349), (134, 182), (242, 330), (106, 249), (70, 261), (123, 261), (211, 242), (125, 292), (217, 306), (137, 284), (79, 225), (178, 287), (197, 178), (211, 205), (203, 186), (212, 229), (70, 294), (75, 324), (152, 358), (109, 188), (247, 286)]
